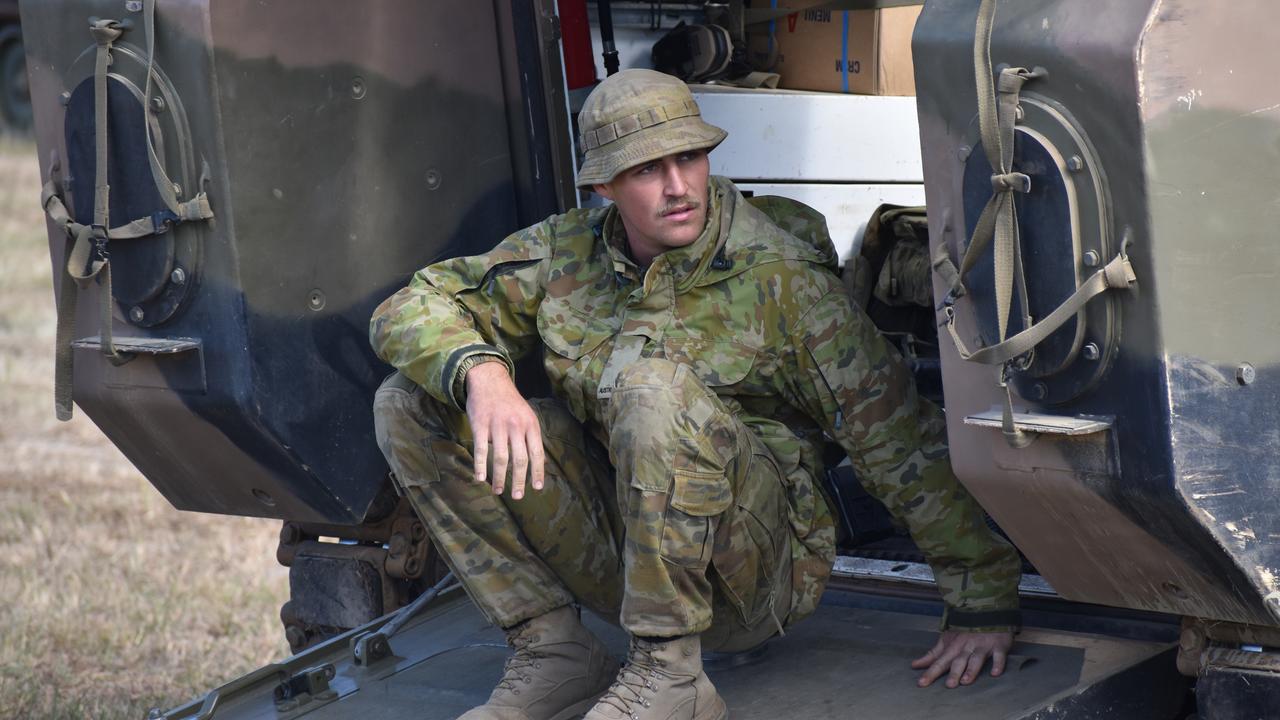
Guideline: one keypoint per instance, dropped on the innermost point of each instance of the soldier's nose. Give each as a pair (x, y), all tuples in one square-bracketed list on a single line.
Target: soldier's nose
[(675, 182)]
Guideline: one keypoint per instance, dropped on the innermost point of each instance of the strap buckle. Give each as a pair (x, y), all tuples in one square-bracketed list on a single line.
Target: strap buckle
[(162, 221), (948, 313), (1018, 364), (100, 237), (1005, 375)]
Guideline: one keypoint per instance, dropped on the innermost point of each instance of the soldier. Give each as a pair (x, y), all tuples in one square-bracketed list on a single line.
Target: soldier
[(699, 346)]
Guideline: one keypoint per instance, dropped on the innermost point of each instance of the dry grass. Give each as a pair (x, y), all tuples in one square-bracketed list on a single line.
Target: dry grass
[(111, 601)]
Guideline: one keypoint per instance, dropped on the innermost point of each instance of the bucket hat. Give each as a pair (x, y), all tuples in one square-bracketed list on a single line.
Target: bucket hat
[(635, 116)]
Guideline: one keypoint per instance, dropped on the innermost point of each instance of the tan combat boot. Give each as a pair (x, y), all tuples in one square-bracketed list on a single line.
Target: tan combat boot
[(557, 672), (662, 681)]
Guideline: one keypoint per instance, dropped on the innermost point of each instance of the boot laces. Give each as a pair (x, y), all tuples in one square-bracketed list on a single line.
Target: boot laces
[(515, 671), (634, 682)]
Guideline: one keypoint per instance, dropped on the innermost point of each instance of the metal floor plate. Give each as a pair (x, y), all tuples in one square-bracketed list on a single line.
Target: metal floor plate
[(843, 662)]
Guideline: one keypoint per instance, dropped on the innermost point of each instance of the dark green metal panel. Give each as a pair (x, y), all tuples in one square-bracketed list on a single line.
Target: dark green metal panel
[(342, 145), (851, 659), (1174, 123)]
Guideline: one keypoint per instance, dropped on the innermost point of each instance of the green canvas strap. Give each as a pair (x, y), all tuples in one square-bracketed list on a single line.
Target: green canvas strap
[(62, 361), (997, 228), (86, 250), (997, 114), (105, 33), (51, 200), (1115, 275), (87, 257), (197, 208)]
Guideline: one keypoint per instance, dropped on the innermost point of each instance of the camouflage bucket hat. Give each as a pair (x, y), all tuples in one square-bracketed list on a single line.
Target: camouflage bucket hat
[(636, 116)]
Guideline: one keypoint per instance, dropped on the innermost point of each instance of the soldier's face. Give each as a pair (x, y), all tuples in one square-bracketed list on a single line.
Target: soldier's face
[(663, 203)]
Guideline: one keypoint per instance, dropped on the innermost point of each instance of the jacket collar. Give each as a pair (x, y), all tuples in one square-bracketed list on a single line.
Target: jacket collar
[(739, 235), (686, 264)]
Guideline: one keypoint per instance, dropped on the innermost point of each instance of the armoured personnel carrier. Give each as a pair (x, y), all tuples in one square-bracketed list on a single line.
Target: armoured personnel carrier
[(1097, 182)]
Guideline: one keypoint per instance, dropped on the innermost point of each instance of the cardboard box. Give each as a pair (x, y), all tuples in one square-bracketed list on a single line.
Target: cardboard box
[(852, 51)]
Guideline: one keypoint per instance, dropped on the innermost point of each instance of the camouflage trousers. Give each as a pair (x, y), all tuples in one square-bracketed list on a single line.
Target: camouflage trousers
[(679, 525)]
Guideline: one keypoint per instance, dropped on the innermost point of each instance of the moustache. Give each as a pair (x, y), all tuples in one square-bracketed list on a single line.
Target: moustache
[(680, 206)]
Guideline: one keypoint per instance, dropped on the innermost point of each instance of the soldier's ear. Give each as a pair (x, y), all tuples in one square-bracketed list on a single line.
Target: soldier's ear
[(604, 191)]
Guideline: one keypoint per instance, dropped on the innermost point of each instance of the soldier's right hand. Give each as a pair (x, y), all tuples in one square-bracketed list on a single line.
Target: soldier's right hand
[(505, 429)]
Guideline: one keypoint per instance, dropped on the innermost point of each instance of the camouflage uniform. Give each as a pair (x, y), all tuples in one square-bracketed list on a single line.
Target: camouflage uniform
[(683, 448)]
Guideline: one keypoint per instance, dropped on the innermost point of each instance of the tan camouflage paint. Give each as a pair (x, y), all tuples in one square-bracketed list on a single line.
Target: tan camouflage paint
[(756, 316)]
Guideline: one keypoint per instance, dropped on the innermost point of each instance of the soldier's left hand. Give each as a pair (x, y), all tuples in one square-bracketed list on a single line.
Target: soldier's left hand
[(962, 653)]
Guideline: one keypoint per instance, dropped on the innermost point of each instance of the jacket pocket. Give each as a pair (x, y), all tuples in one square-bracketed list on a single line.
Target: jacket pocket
[(716, 363), (573, 340), (571, 334)]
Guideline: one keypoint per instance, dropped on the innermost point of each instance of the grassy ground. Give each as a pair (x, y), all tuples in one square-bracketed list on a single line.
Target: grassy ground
[(111, 601)]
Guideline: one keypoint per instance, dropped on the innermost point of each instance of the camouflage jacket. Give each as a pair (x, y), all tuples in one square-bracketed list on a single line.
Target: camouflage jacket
[(758, 312)]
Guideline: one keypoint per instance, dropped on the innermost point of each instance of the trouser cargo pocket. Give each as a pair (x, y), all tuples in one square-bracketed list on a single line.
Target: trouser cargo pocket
[(750, 541), (697, 499)]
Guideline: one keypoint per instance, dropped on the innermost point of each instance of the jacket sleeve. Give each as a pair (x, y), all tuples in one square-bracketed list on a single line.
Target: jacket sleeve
[(458, 312), (859, 390)]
